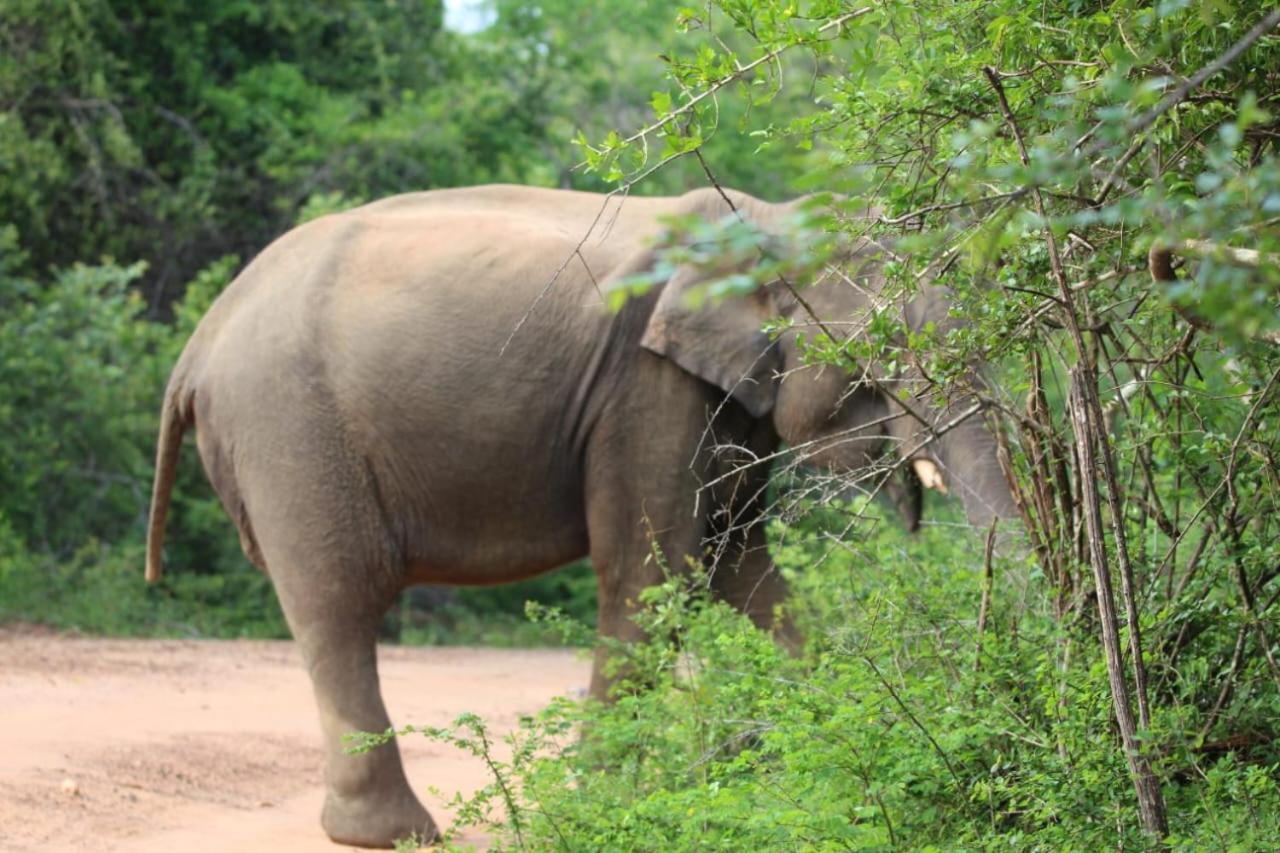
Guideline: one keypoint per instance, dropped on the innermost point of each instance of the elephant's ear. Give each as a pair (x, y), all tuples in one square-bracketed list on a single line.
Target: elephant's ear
[(718, 341)]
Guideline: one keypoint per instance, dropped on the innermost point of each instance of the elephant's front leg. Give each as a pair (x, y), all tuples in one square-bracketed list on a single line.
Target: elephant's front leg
[(635, 539), (746, 578), (645, 465), (619, 583)]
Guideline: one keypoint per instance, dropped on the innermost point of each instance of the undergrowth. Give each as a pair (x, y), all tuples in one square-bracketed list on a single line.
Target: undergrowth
[(898, 727)]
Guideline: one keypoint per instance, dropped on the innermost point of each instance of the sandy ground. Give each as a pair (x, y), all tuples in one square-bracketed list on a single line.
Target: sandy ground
[(159, 745)]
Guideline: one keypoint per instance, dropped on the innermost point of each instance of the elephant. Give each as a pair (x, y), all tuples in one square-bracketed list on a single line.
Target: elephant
[(430, 389)]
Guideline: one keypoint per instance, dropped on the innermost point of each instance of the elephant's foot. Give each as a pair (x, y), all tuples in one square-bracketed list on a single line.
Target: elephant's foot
[(377, 819)]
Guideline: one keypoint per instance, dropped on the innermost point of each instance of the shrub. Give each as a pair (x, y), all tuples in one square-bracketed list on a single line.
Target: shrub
[(80, 383), (894, 729)]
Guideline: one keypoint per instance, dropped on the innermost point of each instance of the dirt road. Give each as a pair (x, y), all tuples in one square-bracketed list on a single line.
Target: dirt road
[(160, 745)]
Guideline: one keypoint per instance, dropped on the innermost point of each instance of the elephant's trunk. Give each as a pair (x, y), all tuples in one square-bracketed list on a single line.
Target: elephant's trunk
[(967, 452), (969, 457)]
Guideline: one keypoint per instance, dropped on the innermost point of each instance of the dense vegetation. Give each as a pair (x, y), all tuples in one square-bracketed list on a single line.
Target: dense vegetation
[(1098, 183)]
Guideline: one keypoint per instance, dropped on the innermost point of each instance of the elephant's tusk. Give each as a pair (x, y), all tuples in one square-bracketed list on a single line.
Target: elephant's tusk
[(930, 476)]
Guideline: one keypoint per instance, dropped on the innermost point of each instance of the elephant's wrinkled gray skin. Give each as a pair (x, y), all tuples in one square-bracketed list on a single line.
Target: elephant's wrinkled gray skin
[(364, 426)]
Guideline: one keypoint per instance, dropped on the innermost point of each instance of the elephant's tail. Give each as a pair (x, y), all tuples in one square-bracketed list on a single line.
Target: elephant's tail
[(174, 420)]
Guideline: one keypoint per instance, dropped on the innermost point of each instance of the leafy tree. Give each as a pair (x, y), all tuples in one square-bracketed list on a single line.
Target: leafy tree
[(1097, 185), (179, 132)]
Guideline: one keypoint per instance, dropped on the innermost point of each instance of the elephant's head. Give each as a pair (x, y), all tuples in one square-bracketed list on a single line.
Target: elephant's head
[(847, 419)]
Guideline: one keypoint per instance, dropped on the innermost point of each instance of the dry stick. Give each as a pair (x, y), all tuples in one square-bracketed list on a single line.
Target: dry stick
[(555, 276), (1128, 587), (1150, 800), (985, 605), (1088, 422), (1053, 481), (1114, 175), (1031, 513)]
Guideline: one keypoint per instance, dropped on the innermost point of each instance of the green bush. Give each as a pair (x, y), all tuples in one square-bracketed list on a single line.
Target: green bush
[(494, 615), (79, 385), (82, 371), (177, 132), (571, 589), (893, 730)]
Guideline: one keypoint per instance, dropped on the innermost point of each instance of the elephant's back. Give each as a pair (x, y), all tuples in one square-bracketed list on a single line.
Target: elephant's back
[(396, 269), (441, 325), (586, 216), (497, 285), (504, 245)]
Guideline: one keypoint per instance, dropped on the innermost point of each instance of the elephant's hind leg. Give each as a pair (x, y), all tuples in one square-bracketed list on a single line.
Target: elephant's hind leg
[(368, 802), (335, 584)]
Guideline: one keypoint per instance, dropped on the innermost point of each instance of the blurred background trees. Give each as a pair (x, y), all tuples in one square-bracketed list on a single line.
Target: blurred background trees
[(177, 133)]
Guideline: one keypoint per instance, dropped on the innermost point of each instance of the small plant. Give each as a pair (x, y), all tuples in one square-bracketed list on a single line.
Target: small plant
[(410, 843)]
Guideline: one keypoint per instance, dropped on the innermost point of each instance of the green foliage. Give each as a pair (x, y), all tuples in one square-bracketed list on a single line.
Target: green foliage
[(82, 371), (494, 615), (97, 590), (177, 133), (182, 131), (80, 383), (896, 729)]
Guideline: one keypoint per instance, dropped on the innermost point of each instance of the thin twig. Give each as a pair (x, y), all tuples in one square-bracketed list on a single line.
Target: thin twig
[(736, 74), (942, 753)]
